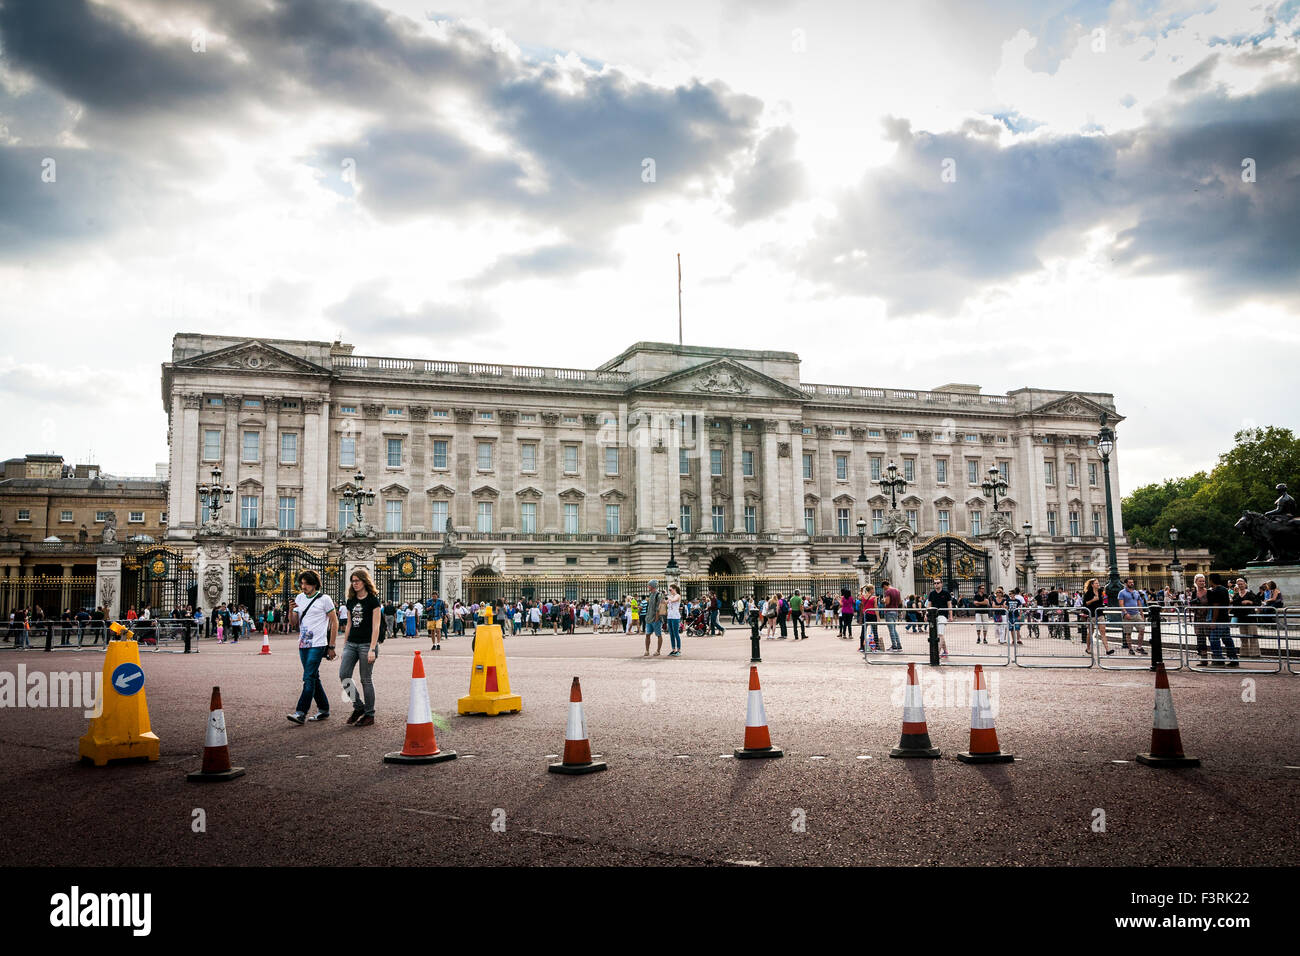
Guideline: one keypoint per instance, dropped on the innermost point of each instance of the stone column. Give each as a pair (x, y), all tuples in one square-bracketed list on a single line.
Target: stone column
[(1002, 567), (706, 479), (796, 484), (271, 464), (462, 518), (108, 585), (232, 451), (419, 467), (507, 469), (825, 472), (316, 439), (1030, 481), (675, 473), (213, 574), (771, 478), (358, 555), (737, 478), (183, 504), (644, 479)]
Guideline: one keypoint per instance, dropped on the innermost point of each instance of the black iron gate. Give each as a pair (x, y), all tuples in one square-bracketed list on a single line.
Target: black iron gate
[(270, 576), (407, 577), (962, 565), (160, 578)]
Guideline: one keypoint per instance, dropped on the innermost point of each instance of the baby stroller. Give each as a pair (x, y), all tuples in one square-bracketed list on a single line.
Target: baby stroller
[(697, 625)]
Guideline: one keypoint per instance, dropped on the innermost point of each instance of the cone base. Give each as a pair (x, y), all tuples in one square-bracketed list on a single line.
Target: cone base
[(198, 776), (577, 768), (914, 752), (1151, 760), (102, 751), (742, 753), (398, 757), (494, 704), (967, 757)]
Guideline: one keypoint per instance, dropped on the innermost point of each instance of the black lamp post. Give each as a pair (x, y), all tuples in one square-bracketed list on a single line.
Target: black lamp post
[(893, 484), (212, 496), (358, 497), (1105, 445), (862, 540), (672, 537), (1029, 529), (994, 485)]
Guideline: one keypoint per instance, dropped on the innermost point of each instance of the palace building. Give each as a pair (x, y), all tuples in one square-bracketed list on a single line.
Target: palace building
[(553, 472)]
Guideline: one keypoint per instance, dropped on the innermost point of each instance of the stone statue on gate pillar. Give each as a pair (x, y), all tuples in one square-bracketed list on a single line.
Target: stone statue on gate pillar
[(450, 558)]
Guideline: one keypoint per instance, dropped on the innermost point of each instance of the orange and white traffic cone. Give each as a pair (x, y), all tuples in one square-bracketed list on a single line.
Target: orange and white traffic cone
[(758, 742), (420, 745), (216, 753), (983, 735), (577, 748), (266, 643), (1166, 741), (915, 741)]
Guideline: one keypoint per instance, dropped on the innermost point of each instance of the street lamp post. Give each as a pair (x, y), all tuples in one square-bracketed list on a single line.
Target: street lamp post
[(672, 537), (994, 485), (892, 484), (862, 540), (1175, 568), (358, 497), (1030, 565), (1105, 445), (212, 496)]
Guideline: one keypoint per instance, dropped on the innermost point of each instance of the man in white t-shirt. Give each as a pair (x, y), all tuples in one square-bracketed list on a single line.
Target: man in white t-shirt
[(318, 626)]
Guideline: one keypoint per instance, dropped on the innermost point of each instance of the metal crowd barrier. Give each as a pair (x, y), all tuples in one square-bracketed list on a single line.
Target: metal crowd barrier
[(1259, 645), (1132, 638), (962, 636), (1054, 637)]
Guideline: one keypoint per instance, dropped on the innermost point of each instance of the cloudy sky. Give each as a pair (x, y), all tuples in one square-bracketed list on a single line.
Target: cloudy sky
[(1066, 195)]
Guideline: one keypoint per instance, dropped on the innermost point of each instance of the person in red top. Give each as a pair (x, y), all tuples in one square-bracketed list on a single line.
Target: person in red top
[(868, 599), (892, 602)]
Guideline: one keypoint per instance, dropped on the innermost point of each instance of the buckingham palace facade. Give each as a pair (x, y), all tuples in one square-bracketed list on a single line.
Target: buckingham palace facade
[(555, 471)]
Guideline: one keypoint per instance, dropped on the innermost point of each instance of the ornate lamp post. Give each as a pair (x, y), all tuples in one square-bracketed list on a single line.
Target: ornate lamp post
[(1030, 564), (1105, 445), (212, 496), (672, 537), (1029, 529), (359, 498), (893, 485), (862, 540), (994, 485)]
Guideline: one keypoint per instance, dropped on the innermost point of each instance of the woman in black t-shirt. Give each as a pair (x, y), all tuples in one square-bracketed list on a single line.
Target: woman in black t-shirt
[(1096, 616), (361, 629)]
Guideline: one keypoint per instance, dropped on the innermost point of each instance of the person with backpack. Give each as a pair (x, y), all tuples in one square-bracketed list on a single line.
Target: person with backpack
[(363, 630)]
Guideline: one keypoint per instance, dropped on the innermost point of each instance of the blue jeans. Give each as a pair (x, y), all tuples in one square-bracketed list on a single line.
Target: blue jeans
[(675, 633), (311, 685), (890, 618), (1222, 632)]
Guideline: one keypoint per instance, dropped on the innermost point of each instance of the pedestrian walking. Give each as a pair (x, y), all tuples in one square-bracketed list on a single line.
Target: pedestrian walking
[(673, 618), (318, 627), (362, 632), (654, 618), (892, 603), (940, 604)]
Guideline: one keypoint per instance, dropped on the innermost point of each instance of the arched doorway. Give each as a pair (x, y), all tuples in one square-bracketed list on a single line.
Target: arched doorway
[(484, 584), (725, 577)]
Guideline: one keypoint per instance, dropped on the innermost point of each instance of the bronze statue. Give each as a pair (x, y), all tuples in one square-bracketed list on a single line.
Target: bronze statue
[(1276, 532)]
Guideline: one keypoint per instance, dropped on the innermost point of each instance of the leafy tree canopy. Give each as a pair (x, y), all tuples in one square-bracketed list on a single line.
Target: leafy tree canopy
[(1205, 507)]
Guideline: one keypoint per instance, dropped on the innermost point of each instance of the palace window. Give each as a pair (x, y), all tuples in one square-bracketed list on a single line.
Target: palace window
[(810, 521), (288, 448), (976, 523), (807, 465), (100, 516), (1071, 473), (1051, 523), (65, 516), (747, 464), (1092, 473), (485, 456), (347, 452), (1004, 468), (485, 516), (685, 519), (25, 514), (943, 521), (751, 520), (135, 517), (347, 514), (611, 461), (347, 410), (438, 516), (394, 453), (715, 461), (612, 519), (394, 412), (941, 470), (248, 511), (911, 519), (1096, 523), (440, 454), (909, 469), (877, 520), (683, 462), (528, 457), (842, 522), (1074, 524), (288, 513), (842, 467), (570, 459), (528, 517), (1049, 473), (873, 432), (252, 447), (718, 519), (972, 471), (877, 465), (211, 444), (570, 518), (392, 516)]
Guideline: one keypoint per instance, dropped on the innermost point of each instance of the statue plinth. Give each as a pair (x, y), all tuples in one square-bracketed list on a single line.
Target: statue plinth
[(1287, 577)]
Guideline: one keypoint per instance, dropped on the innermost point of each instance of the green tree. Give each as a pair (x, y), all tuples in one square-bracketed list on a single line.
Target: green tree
[(1205, 508)]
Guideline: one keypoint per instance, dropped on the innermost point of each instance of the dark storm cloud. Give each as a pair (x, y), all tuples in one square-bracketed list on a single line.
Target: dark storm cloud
[(923, 244), (561, 259), (369, 313), (575, 143), (774, 179)]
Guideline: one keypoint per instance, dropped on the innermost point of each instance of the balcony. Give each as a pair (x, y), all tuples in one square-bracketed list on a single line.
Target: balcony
[(467, 372)]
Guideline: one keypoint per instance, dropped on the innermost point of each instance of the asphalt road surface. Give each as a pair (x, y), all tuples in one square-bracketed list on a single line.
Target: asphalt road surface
[(320, 793)]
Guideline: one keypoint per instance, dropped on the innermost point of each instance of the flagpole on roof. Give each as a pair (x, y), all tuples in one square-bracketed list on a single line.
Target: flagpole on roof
[(679, 298)]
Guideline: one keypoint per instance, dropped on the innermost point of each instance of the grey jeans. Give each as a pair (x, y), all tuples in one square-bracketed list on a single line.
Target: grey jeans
[(354, 653)]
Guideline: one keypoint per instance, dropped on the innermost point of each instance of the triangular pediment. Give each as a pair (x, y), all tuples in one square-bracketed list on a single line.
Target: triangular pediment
[(252, 356), (572, 494), (1076, 406), (529, 492), (722, 378), (395, 489)]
